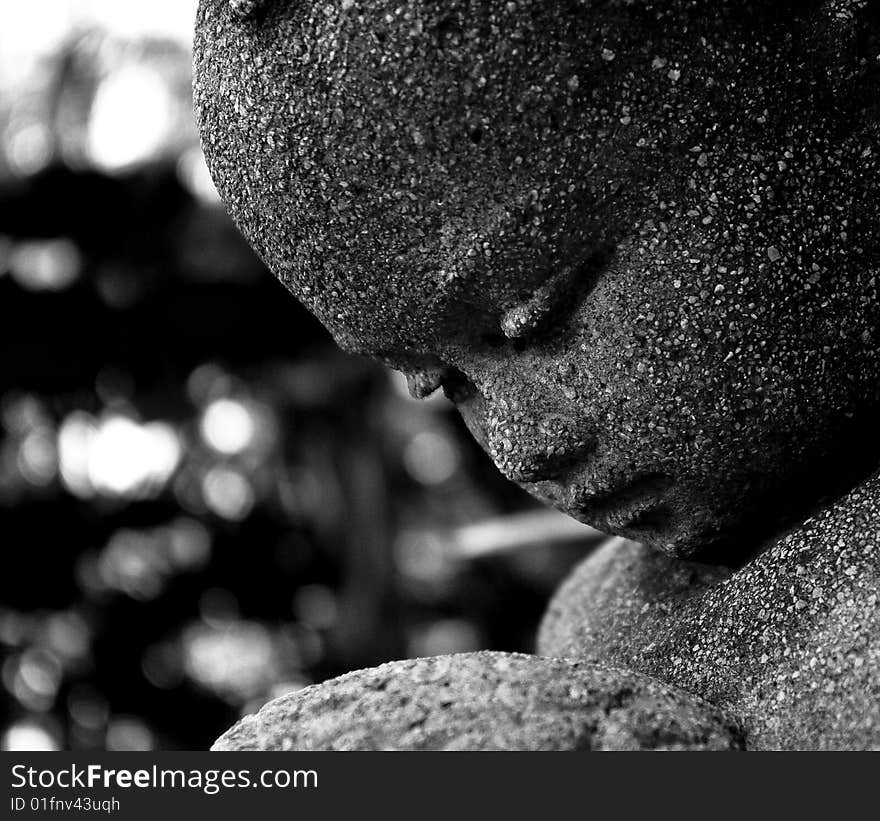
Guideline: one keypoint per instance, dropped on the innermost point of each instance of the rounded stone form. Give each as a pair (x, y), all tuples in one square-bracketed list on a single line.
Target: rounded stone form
[(788, 643), (620, 600), (486, 701)]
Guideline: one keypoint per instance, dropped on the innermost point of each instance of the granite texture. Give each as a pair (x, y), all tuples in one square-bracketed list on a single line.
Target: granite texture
[(486, 701)]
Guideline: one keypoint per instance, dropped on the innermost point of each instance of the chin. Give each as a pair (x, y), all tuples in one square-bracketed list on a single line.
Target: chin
[(662, 530), (665, 517)]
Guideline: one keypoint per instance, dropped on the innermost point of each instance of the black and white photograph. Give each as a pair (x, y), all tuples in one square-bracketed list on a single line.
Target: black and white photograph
[(421, 375)]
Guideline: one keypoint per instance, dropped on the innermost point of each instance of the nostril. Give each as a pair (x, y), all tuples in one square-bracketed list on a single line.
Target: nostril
[(457, 387), (493, 340)]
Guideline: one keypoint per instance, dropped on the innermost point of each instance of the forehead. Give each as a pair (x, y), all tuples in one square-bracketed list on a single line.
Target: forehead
[(402, 120), (388, 159)]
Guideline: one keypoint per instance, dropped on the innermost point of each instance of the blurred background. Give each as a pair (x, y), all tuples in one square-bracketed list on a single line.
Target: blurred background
[(203, 503)]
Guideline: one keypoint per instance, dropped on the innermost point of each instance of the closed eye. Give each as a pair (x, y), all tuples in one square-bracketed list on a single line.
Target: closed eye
[(553, 301)]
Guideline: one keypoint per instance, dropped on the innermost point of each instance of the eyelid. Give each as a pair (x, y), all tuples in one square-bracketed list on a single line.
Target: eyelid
[(247, 9), (525, 318)]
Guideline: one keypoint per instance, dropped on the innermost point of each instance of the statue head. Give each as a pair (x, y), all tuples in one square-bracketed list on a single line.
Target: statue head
[(633, 241)]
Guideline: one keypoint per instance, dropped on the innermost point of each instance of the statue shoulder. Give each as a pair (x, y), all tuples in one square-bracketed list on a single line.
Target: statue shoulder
[(781, 642)]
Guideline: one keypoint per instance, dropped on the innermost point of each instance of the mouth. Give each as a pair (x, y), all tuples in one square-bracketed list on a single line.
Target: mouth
[(635, 506)]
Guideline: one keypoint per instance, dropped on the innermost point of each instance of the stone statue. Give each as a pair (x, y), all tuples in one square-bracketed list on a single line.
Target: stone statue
[(635, 241)]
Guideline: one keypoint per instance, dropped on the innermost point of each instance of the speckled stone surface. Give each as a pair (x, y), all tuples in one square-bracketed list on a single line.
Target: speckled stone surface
[(486, 701), (790, 643), (636, 242)]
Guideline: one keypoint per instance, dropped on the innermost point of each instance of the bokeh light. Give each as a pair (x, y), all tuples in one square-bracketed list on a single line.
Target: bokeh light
[(228, 426), (45, 265), (236, 660), (28, 147), (29, 736), (129, 734), (228, 493), (205, 504), (431, 458), (116, 455), (131, 119)]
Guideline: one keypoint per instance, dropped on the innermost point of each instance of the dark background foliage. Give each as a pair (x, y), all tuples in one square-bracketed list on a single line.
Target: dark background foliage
[(203, 503)]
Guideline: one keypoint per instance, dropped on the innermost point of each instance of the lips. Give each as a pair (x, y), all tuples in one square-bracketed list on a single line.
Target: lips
[(634, 504)]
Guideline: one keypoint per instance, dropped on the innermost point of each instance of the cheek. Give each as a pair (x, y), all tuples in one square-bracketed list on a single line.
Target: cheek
[(718, 380), (655, 377), (658, 374)]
